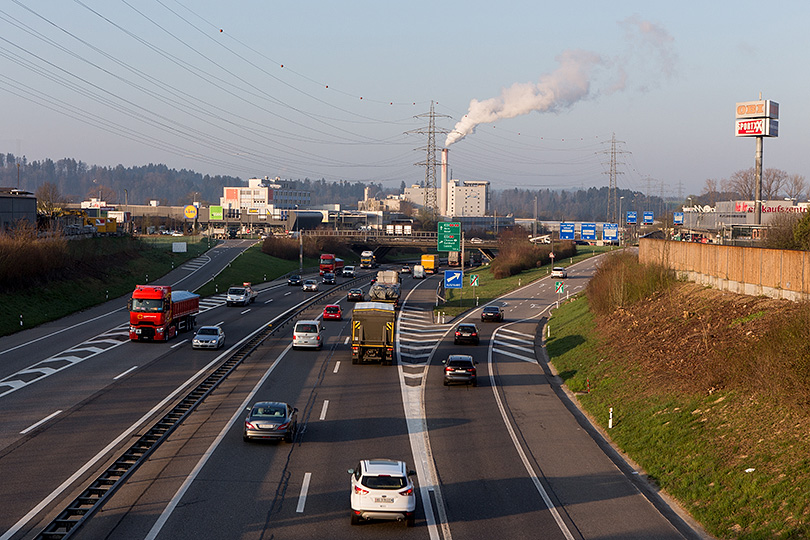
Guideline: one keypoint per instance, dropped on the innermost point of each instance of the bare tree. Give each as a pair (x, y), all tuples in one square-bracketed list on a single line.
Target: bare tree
[(49, 198), (103, 193), (773, 181), (795, 187), (710, 190), (743, 183)]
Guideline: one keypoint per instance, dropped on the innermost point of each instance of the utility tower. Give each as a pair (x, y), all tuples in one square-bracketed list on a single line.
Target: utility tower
[(613, 198), (431, 200)]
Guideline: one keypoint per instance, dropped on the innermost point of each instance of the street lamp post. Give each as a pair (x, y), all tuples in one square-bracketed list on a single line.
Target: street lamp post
[(621, 221), (300, 244)]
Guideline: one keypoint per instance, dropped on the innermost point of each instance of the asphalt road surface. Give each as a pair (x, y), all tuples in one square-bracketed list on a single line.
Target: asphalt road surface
[(510, 458)]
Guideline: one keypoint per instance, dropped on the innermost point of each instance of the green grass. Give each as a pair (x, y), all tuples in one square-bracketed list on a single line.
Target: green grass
[(253, 266), (490, 288), (747, 318), (58, 298), (690, 444)]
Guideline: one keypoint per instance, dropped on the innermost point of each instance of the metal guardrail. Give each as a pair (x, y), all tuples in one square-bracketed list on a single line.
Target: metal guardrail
[(98, 492)]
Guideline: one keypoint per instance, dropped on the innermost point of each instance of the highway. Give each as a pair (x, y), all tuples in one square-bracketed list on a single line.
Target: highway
[(510, 458)]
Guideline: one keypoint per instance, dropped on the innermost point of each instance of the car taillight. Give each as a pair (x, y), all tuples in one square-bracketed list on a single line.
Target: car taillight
[(448, 368), (458, 333), (407, 492), (471, 370), (318, 338), (474, 334), (360, 491), (296, 336), (248, 425), (285, 425)]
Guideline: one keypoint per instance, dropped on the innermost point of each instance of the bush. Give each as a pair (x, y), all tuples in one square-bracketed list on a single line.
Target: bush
[(515, 254), (621, 280)]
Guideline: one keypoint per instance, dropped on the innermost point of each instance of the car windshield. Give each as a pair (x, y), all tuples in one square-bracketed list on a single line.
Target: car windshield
[(306, 329), (272, 411), (384, 482), (207, 332), (150, 305), (236, 291), (295, 277), (309, 282)]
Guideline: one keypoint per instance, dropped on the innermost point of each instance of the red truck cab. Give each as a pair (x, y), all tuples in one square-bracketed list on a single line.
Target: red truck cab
[(329, 263), (156, 313)]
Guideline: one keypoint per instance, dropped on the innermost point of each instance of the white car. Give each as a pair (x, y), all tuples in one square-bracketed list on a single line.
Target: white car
[(208, 337), (307, 334), (559, 272), (310, 285), (382, 489), (348, 271)]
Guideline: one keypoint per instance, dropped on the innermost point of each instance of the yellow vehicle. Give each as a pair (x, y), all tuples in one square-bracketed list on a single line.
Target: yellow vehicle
[(430, 263)]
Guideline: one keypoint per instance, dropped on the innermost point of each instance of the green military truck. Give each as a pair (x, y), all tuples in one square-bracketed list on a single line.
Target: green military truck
[(373, 333)]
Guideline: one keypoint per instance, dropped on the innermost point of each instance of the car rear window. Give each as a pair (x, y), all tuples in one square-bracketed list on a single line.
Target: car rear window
[(332, 309), (384, 482), (459, 363), (306, 328), (491, 309), (466, 328)]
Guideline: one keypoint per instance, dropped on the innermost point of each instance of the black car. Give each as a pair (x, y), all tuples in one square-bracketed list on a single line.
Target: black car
[(328, 278), (466, 333), (355, 295), (271, 420), (460, 368), (294, 280), (492, 313)]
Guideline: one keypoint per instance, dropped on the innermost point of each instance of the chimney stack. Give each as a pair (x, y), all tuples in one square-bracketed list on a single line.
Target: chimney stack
[(443, 187)]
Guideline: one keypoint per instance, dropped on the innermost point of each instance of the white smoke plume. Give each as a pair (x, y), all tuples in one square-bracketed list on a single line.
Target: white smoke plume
[(570, 83)]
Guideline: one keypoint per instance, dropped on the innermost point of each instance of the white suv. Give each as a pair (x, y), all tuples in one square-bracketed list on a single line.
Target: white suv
[(382, 489), (559, 272), (307, 334)]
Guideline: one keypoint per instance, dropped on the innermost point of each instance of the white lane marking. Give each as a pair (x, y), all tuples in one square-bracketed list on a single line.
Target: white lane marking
[(532, 359), (220, 323), (518, 347), (267, 302), (323, 410), (287, 293), (178, 343), (133, 368), (528, 466), (302, 499), (246, 311), (34, 426), (337, 366), (509, 331), (346, 341), (167, 512)]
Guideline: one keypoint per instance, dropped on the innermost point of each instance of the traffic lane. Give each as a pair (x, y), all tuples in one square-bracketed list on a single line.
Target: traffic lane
[(484, 484), (22, 348), (253, 489), (98, 398)]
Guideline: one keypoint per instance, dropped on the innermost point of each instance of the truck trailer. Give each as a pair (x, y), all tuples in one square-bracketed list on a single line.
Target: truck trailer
[(373, 333), (156, 313), (386, 288), (430, 263)]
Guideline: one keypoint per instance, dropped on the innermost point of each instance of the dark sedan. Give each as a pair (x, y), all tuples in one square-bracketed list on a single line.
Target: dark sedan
[(466, 333), (271, 420), (294, 280), (355, 295), (492, 313)]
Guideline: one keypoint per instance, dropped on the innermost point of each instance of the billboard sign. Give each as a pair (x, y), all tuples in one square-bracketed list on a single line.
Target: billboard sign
[(756, 127), (449, 236), (588, 231), (215, 213), (566, 231), (190, 211), (610, 232), (648, 218), (677, 218), (764, 108), (632, 218)]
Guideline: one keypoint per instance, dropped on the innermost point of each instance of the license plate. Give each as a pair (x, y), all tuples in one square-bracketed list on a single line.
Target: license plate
[(266, 426), (383, 500)]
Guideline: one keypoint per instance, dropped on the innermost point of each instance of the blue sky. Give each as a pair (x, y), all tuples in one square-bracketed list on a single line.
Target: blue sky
[(200, 85)]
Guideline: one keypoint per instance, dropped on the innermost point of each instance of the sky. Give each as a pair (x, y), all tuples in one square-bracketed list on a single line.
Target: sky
[(527, 95)]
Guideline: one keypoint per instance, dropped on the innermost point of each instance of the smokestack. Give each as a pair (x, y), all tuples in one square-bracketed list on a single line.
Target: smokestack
[(443, 188)]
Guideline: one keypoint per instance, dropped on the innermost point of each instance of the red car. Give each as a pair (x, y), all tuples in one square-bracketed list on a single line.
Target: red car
[(332, 311)]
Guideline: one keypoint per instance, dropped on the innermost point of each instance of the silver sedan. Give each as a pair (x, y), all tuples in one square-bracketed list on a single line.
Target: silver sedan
[(208, 337)]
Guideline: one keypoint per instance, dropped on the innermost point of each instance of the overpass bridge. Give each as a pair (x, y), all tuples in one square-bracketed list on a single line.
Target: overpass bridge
[(381, 242)]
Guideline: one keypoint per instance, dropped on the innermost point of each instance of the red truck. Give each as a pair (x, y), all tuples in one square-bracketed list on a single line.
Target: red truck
[(330, 263), (156, 313)]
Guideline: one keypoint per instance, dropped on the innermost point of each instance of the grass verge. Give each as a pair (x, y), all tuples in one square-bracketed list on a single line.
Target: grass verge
[(731, 459)]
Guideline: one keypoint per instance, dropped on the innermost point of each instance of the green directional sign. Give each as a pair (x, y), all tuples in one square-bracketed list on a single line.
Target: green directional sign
[(449, 236)]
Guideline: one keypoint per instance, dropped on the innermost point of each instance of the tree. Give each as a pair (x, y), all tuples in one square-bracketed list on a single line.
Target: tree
[(744, 183), (773, 181), (49, 198), (801, 232), (795, 187), (104, 193)]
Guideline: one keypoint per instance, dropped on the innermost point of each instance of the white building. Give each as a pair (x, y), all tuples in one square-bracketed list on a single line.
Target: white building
[(264, 197), (468, 198)]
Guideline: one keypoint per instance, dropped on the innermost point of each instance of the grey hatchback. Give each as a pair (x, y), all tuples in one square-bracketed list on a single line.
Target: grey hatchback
[(271, 420)]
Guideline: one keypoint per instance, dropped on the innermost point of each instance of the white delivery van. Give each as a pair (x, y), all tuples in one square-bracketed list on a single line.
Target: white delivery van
[(418, 271), (307, 334)]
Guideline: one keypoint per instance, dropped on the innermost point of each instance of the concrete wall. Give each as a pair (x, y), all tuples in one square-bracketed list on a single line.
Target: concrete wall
[(753, 271)]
